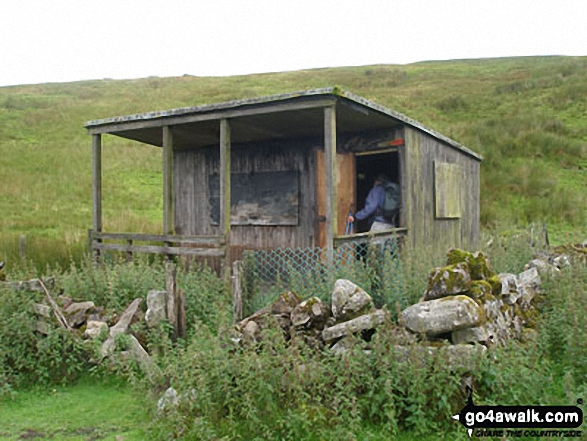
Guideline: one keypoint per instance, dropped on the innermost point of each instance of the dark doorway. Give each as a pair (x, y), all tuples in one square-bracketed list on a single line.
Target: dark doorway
[(369, 165)]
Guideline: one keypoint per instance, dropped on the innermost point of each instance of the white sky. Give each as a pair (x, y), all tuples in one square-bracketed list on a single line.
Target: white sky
[(69, 40)]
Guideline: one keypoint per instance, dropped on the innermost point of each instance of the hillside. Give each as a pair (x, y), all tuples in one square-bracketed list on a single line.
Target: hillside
[(526, 116)]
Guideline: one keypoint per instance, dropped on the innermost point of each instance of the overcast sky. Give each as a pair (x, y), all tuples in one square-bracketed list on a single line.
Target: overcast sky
[(69, 40)]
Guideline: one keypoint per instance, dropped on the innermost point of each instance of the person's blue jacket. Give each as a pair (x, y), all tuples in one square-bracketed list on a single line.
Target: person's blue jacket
[(374, 201)]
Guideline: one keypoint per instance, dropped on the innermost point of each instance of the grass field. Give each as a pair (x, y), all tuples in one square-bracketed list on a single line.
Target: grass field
[(88, 411), (526, 116)]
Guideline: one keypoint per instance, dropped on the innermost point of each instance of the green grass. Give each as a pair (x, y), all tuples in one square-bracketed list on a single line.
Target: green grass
[(527, 116), (89, 410)]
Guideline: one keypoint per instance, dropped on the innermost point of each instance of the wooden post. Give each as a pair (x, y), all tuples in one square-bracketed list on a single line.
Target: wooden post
[(168, 199), (97, 186), (181, 318), (225, 193), (237, 291), (172, 303), (330, 166), (129, 253)]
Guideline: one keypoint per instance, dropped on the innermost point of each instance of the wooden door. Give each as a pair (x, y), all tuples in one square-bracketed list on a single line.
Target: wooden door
[(346, 191)]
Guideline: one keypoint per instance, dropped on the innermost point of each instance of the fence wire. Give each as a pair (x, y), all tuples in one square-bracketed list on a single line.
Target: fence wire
[(374, 266)]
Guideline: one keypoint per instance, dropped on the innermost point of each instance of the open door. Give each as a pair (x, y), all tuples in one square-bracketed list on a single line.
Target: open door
[(346, 190), (368, 165)]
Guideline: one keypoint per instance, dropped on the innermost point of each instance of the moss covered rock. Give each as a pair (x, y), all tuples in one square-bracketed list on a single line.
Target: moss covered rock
[(479, 267), (448, 281)]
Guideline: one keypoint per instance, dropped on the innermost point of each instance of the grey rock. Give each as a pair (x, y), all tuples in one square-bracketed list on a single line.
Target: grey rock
[(250, 330), (169, 400), (509, 288), (75, 313), (94, 328), (477, 334), (143, 359), (349, 299), (156, 307), (542, 266), (364, 322), (120, 327), (311, 312), (464, 357), (342, 346), (443, 315), (285, 303), (529, 285), (561, 261), (42, 310)]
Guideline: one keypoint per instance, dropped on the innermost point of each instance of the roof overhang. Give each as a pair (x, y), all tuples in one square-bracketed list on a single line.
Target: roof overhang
[(292, 115)]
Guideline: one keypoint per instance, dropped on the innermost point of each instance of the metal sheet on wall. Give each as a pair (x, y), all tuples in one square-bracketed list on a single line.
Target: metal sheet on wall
[(264, 198)]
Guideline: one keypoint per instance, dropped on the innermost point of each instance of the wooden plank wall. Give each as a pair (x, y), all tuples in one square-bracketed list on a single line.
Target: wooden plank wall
[(424, 229), (192, 211)]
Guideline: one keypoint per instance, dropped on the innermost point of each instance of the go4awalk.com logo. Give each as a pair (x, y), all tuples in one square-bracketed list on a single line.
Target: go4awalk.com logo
[(518, 421)]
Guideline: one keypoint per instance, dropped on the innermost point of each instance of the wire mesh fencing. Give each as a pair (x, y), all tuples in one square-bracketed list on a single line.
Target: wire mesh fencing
[(373, 265)]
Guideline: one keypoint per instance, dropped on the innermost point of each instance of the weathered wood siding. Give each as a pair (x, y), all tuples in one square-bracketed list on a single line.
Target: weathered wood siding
[(424, 229), (192, 207)]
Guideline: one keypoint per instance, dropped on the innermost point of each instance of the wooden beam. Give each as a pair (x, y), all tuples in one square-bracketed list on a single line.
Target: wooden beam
[(97, 181), (168, 199), (225, 179), (141, 122), (330, 166), (184, 240), (153, 249)]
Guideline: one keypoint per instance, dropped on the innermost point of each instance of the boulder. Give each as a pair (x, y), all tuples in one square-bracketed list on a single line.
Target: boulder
[(561, 261), (42, 310), (542, 266), (349, 300), (251, 330), (509, 288), (362, 323), (311, 312), (94, 328), (169, 400), (477, 334), (76, 313), (443, 315), (528, 285), (120, 327), (285, 303), (156, 307), (478, 265), (447, 281)]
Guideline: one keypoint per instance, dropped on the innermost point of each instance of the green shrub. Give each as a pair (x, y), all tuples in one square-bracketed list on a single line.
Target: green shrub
[(28, 358)]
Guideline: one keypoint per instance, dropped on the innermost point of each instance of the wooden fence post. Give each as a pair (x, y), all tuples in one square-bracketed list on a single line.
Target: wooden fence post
[(237, 292), (171, 289), (175, 302)]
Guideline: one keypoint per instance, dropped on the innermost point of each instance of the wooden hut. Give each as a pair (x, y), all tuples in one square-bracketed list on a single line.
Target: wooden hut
[(285, 170)]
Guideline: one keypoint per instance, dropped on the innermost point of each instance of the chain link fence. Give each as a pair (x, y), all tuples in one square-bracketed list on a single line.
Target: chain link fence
[(373, 265)]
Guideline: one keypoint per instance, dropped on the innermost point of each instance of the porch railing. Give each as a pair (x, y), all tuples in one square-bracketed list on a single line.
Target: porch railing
[(370, 236), (200, 246)]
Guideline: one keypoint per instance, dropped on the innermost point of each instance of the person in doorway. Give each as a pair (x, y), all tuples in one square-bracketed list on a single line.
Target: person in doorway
[(373, 206)]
